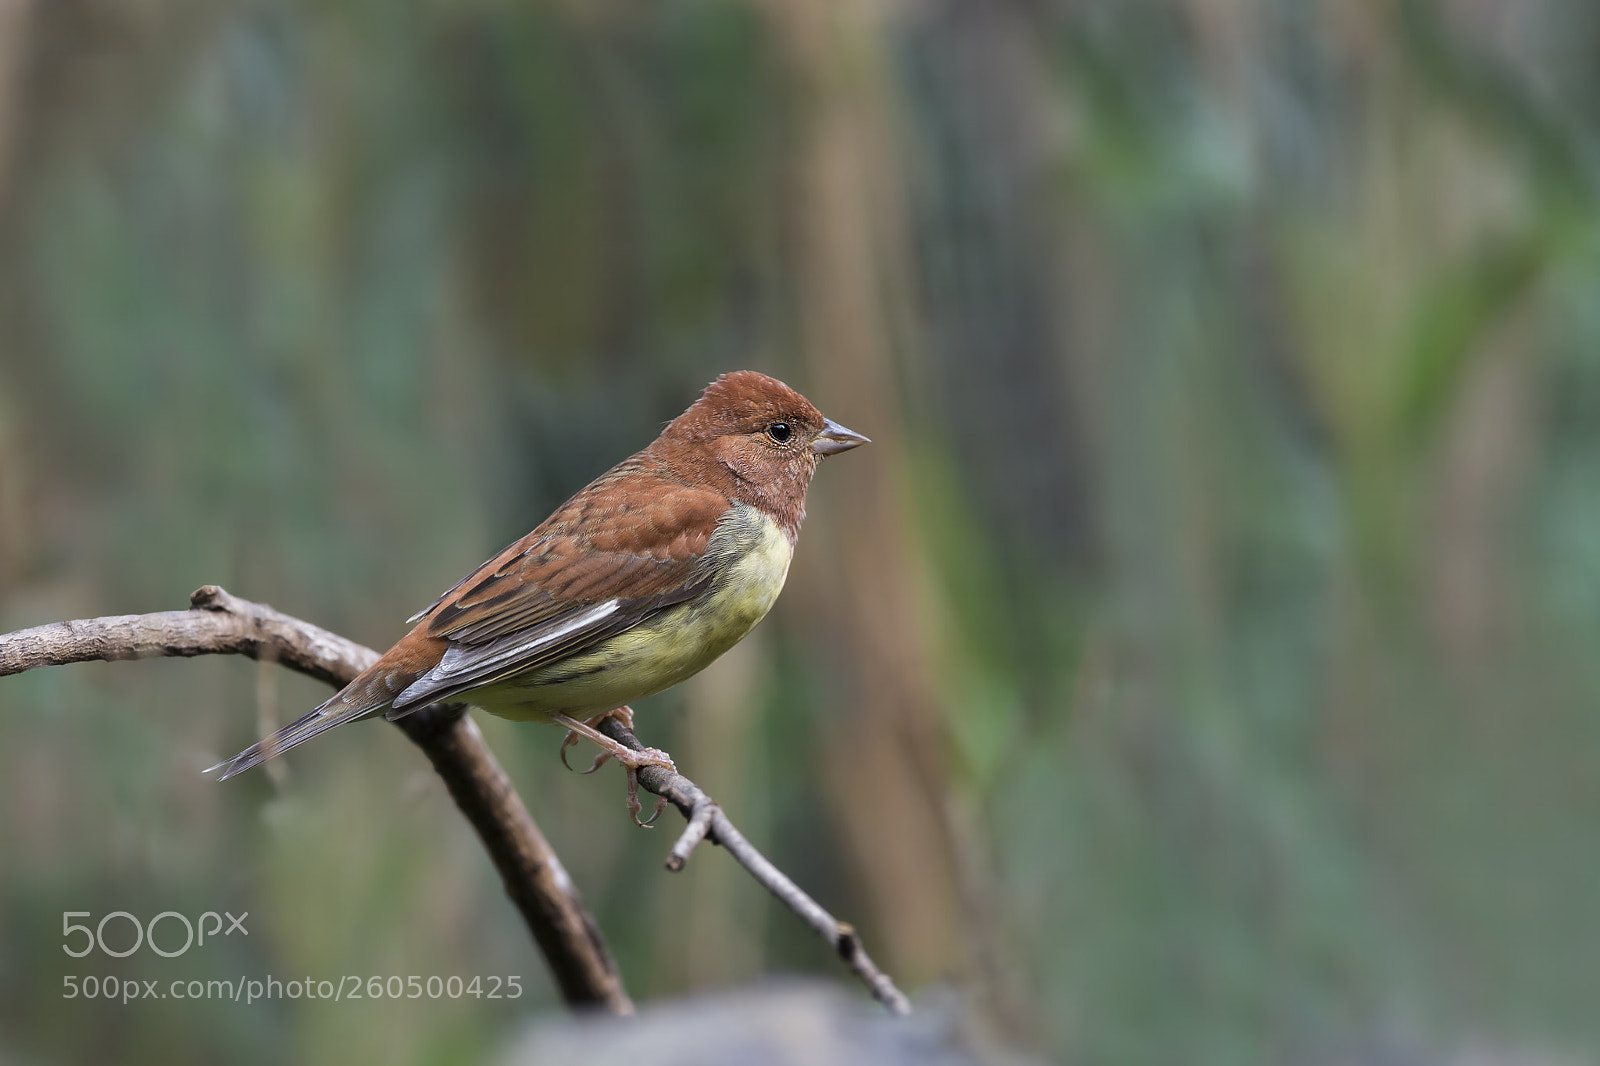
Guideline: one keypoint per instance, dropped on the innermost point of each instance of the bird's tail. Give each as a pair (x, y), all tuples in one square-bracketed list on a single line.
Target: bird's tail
[(356, 700)]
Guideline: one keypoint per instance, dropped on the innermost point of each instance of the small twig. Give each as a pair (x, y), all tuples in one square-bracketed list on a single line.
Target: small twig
[(699, 808), (693, 833), (219, 623)]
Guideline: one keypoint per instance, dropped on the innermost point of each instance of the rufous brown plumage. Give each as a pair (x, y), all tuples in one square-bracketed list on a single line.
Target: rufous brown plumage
[(638, 581)]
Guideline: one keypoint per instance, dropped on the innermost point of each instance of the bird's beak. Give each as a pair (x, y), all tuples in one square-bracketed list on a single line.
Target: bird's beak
[(835, 438)]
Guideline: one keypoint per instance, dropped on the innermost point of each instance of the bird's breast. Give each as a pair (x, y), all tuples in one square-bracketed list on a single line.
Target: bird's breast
[(750, 554), (749, 559)]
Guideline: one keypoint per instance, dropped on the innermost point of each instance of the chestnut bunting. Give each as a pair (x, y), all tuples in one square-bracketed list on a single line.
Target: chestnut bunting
[(639, 581)]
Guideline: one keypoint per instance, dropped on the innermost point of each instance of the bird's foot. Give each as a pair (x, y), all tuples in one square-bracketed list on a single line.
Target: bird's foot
[(621, 714), (655, 757), (631, 760)]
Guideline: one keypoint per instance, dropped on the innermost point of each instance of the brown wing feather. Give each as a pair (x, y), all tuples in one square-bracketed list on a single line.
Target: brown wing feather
[(611, 541), (609, 558)]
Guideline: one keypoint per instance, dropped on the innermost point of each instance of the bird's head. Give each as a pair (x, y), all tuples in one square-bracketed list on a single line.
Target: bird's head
[(759, 439)]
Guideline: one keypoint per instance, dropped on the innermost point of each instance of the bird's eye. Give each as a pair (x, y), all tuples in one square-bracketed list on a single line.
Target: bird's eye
[(780, 431)]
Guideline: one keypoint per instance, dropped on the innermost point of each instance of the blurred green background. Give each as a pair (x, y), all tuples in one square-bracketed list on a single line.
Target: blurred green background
[(1198, 668)]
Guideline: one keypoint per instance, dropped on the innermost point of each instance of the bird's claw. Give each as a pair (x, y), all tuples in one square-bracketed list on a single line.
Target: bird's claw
[(621, 714), (638, 761), (634, 806), (632, 761), (571, 739)]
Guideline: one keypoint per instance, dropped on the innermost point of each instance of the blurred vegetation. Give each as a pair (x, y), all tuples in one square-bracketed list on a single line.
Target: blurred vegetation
[(1199, 667)]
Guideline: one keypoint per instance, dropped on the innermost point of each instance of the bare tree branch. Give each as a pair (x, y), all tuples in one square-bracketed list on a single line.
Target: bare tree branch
[(708, 822), (218, 623)]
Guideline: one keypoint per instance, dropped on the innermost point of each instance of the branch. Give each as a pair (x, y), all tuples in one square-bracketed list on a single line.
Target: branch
[(706, 821), (218, 623)]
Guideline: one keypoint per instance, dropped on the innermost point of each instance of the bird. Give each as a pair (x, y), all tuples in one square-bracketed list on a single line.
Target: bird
[(639, 581)]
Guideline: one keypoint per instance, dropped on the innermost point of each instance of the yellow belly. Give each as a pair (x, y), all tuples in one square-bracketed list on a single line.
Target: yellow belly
[(672, 646)]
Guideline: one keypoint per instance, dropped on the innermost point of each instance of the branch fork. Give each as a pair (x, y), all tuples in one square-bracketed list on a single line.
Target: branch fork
[(219, 623)]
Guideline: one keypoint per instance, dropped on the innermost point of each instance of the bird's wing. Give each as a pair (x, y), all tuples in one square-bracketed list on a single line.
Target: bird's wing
[(600, 565)]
